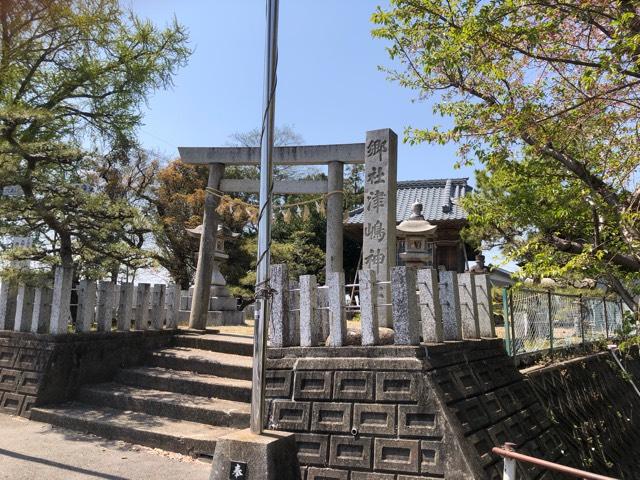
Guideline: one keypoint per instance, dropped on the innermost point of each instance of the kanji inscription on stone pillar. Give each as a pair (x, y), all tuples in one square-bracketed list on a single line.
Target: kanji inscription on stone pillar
[(379, 226)]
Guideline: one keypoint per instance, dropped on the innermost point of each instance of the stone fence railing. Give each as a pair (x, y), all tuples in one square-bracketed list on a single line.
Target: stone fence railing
[(426, 305), (97, 306)]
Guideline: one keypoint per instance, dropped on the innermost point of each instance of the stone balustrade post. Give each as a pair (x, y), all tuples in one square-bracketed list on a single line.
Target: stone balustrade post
[(173, 306), (86, 305), (8, 294), (41, 310), (142, 306), (450, 302), (279, 321), (337, 318), (404, 306), (485, 306), (368, 292), (104, 315), (125, 307), (468, 305), (24, 308), (310, 326), (184, 300), (157, 306), (61, 301), (430, 308)]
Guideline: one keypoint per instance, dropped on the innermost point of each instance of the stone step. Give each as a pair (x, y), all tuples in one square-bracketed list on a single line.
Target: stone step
[(202, 361), (219, 412), (187, 438), (233, 344), (181, 381)]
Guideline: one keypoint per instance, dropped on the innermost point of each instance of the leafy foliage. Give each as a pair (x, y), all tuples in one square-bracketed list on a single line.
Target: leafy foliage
[(544, 95), (73, 75)]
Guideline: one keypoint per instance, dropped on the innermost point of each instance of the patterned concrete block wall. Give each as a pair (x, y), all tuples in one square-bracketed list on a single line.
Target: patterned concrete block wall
[(596, 410), (22, 367), (39, 369), (372, 414), (406, 413), (494, 404)]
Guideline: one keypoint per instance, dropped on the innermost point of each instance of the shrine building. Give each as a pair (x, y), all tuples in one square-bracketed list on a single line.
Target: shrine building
[(440, 201)]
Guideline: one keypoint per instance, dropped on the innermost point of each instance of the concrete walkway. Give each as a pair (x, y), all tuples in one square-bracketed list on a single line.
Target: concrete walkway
[(31, 450)]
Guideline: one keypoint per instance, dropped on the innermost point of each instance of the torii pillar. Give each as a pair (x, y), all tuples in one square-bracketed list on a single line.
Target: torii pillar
[(202, 287), (335, 228)]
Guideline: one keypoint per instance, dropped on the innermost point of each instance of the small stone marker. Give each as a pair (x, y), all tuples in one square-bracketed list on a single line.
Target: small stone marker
[(125, 307), (430, 308), (468, 305), (379, 226), (60, 304), (279, 321), (24, 308), (142, 306), (105, 306), (337, 318), (238, 471), (86, 305), (485, 306), (310, 327), (41, 310), (368, 311), (405, 306), (157, 306), (450, 302)]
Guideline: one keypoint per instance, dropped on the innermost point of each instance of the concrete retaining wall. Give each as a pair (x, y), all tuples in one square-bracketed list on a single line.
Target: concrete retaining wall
[(37, 369), (596, 410), (369, 413), (408, 413)]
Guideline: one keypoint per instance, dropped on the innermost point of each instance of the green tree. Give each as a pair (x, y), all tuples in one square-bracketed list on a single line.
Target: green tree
[(544, 95), (73, 76)]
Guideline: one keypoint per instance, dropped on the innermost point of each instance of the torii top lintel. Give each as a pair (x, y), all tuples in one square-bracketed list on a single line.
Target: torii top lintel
[(351, 153)]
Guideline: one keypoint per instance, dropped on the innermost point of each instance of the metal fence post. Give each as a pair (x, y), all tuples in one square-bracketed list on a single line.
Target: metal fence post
[(505, 316), (606, 317), (513, 326), (550, 317), (509, 469)]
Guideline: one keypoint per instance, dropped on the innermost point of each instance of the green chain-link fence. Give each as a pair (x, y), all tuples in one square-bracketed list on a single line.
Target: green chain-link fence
[(538, 321)]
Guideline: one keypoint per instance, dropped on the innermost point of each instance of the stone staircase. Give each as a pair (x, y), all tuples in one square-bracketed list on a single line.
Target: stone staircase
[(182, 399)]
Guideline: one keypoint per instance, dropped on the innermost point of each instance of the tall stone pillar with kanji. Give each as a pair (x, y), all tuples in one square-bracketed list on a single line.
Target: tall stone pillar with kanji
[(379, 226)]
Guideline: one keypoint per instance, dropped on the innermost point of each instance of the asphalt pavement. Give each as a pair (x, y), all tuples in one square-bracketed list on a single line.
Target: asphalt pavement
[(30, 450)]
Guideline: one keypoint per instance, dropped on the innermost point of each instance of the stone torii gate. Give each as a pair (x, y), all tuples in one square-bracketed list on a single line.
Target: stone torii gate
[(379, 154)]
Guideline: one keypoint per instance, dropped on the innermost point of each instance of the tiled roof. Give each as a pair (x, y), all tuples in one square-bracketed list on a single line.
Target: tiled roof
[(438, 197)]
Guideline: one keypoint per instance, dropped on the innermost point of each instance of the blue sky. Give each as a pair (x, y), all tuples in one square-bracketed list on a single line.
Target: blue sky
[(329, 87)]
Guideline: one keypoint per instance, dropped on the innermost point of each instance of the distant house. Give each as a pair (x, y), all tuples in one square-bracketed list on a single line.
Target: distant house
[(440, 200)]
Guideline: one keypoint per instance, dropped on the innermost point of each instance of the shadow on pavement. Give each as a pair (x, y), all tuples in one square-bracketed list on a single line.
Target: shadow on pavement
[(84, 471)]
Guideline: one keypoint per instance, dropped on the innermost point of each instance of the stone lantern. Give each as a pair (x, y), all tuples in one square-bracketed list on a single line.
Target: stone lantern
[(222, 306), (419, 239)]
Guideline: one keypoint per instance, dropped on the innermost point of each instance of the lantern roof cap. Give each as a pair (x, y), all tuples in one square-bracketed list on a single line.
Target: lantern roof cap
[(416, 222)]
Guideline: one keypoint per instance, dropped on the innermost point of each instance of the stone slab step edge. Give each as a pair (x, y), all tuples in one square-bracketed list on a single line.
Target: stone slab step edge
[(201, 361), (217, 343), (192, 384), (217, 412), (118, 427)]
